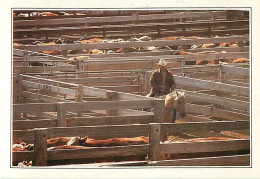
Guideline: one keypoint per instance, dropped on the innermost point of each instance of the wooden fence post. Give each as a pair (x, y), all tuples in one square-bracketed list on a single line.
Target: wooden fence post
[(159, 109), (154, 142), (61, 115), (79, 68), (80, 98), (16, 92), (182, 66), (40, 147), (17, 86), (147, 81), (111, 96)]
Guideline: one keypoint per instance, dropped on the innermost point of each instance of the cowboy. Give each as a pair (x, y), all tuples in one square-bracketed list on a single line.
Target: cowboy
[(162, 82)]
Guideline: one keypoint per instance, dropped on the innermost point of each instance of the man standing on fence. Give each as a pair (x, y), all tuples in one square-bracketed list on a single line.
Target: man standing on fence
[(162, 82)]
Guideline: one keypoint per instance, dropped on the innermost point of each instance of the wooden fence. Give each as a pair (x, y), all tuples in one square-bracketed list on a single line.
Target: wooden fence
[(154, 149), (127, 44), (152, 29), (133, 18)]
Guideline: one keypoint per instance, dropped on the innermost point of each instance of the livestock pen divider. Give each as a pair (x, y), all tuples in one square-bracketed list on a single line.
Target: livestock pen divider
[(154, 149)]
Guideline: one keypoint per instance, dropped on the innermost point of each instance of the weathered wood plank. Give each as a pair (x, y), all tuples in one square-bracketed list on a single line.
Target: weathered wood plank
[(24, 135), (237, 160), (235, 70), (100, 79), (230, 115), (91, 91), (109, 120), (108, 105), (31, 124), (137, 27), (18, 52), (208, 146), (22, 156), (205, 84), (101, 132), (113, 19), (237, 83), (154, 141), (36, 107), (126, 112), (40, 147), (48, 87), (121, 88), (42, 97), (98, 152), (217, 100), (29, 69), (200, 109), (209, 126)]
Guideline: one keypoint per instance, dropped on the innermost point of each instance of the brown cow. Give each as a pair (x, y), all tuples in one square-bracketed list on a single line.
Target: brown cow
[(113, 142), (49, 14), (240, 60), (227, 44), (182, 53)]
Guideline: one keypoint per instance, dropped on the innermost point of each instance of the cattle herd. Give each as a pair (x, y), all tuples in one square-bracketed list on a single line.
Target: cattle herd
[(80, 142)]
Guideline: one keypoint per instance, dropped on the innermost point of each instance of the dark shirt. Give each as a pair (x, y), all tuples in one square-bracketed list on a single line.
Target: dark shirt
[(157, 79)]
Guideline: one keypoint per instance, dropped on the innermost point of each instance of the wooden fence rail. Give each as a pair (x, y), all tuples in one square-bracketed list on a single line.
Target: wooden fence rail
[(40, 155), (160, 27), (127, 44), (96, 20)]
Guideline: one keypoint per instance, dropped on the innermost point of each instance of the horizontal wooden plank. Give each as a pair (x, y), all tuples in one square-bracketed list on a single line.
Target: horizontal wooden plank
[(22, 156), (31, 124), (109, 120), (101, 132), (50, 88), (205, 84), (237, 83), (30, 69), (91, 91), (235, 160), (159, 43), (208, 146), (24, 135), (235, 70), (114, 19), (108, 105), (43, 115), (229, 115), (217, 100), (137, 27), (206, 126), (98, 152), (48, 81), (18, 52), (100, 79), (121, 88), (36, 107), (41, 97), (127, 112), (193, 118)]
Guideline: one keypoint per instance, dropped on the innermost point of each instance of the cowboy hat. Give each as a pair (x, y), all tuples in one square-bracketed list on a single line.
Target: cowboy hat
[(162, 62)]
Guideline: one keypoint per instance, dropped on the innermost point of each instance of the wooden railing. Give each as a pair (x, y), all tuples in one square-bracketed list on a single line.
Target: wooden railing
[(154, 149)]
